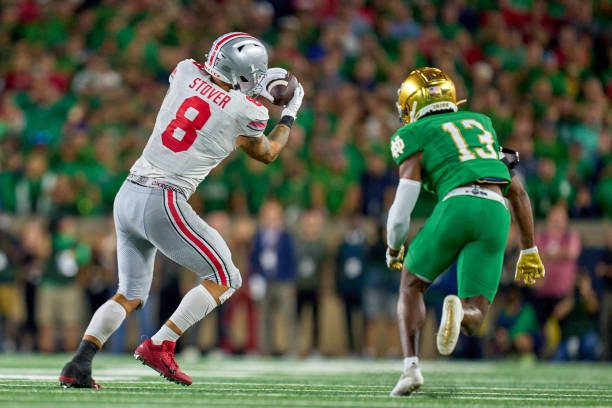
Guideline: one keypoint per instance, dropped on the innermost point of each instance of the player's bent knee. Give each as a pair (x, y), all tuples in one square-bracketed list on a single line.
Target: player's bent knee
[(128, 305), (219, 292)]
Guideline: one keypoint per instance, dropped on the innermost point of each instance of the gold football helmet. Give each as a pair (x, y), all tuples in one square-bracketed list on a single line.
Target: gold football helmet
[(423, 91)]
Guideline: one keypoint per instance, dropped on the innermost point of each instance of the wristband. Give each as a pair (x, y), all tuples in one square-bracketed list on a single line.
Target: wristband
[(287, 120), (532, 250)]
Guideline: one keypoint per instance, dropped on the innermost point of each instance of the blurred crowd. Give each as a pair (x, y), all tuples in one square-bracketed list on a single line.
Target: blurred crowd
[(81, 83), (313, 287)]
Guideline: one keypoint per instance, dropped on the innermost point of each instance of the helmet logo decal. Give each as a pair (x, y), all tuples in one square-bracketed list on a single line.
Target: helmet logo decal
[(435, 90)]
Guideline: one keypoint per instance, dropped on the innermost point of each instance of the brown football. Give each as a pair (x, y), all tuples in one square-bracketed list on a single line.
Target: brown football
[(282, 89)]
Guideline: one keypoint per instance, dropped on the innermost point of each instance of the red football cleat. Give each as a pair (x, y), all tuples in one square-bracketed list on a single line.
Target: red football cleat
[(161, 359)]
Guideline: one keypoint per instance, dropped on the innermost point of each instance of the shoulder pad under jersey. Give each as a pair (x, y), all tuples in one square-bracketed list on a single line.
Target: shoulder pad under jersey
[(185, 66), (252, 115)]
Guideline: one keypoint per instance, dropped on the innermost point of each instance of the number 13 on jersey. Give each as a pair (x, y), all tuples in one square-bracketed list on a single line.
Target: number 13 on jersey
[(485, 138)]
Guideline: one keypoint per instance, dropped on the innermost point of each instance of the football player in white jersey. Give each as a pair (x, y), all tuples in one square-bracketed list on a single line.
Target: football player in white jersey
[(210, 109)]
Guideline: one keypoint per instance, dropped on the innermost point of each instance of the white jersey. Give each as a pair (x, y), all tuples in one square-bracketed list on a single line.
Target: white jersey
[(196, 128)]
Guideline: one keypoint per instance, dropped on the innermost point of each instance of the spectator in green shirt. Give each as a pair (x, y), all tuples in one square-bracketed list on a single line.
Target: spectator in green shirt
[(577, 315), (603, 191), (547, 144), (517, 328), (334, 188), (310, 254), (45, 109), (33, 189), (60, 297), (547, 187)]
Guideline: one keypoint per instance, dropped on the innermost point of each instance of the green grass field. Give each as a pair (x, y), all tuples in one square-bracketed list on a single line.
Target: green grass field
[(31, 381)]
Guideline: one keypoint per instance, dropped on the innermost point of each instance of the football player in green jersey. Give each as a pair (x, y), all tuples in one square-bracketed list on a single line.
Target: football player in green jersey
[(456, 156)]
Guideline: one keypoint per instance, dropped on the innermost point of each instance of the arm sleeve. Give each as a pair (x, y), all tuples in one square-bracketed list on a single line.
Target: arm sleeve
[(398, 221)]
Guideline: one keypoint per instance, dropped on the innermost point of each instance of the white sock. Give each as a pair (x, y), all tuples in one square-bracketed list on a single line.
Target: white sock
[(165, 333), (106, 320), (194, 306), (410, 362)]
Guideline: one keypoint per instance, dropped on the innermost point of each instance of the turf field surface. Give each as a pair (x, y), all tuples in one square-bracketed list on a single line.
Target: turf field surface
[(31, 381)]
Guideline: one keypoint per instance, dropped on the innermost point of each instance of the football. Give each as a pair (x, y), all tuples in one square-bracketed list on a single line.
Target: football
[(282, 89)]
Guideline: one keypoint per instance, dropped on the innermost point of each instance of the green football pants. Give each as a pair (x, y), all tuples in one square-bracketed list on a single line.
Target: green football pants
[(471, 230)]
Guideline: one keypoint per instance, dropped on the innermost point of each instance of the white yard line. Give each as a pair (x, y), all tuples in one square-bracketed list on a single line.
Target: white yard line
[(417, 395), (269, 389), (132, 374)]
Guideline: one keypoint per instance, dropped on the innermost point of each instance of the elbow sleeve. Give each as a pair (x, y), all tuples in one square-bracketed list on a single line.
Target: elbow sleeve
[(398, 221)]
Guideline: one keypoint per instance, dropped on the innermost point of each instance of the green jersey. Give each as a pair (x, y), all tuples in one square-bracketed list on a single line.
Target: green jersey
[(67, 258), (458, 148)]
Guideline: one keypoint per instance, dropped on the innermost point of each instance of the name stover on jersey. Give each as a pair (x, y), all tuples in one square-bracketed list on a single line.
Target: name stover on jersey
[(196, 128)]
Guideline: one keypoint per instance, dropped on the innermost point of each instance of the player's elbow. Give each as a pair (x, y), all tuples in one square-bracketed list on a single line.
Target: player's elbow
[(271, 154), (517, 191), (268, 158)]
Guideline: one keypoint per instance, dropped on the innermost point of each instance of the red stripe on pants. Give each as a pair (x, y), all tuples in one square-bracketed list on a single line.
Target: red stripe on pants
[(209, 254)]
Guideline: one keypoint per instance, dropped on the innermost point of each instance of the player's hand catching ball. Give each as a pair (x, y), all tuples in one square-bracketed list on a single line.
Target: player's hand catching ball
[(272, 75), (282, 88), (395, 258), (529, 266), (294, 104)]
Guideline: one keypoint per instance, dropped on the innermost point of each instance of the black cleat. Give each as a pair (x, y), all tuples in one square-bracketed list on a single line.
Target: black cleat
[(75, 375)]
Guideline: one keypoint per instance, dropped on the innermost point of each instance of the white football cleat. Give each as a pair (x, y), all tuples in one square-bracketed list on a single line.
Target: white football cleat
[(410, 381), (450, 325)]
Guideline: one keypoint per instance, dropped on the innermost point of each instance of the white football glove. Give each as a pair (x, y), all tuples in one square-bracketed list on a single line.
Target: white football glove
[(294, 104), (272, 74)]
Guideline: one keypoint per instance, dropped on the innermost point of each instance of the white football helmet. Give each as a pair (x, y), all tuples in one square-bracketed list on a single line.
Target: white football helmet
[(239, 59)]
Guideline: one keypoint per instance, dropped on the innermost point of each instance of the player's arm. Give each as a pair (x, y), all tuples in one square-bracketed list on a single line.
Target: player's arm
[(398, 220), (521, 210), (266, 148), (529, 266)]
